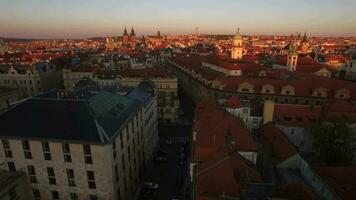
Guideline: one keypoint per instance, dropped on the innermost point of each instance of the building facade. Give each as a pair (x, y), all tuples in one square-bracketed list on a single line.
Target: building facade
[(31, 80), (166, 85), (91, 146)]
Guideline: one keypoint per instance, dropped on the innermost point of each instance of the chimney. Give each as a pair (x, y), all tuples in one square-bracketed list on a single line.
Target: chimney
[(268, 109)]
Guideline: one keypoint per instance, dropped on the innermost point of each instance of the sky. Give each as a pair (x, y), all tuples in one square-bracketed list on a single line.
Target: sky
[(92, 18)]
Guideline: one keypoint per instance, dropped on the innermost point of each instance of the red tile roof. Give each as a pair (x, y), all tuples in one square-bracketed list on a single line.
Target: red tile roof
[(302, 82), (223, 173), (296, 115), (213, 124), (233, 102), (342, 180), (153, 72), (275, 144)]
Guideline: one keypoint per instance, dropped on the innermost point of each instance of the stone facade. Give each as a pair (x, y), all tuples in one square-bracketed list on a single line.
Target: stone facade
[(117, 166), (31, 80)]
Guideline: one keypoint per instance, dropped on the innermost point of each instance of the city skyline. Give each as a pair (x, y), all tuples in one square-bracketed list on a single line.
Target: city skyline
[(84, 19)]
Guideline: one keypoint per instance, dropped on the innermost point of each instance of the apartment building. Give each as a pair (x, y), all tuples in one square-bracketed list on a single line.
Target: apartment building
[(87, 144), (165, 83), (31, 80)]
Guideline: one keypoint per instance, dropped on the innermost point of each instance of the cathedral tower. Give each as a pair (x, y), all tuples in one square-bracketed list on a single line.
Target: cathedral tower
[(237, 48)]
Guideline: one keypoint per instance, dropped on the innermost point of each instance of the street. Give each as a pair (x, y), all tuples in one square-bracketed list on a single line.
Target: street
[(172, 175)]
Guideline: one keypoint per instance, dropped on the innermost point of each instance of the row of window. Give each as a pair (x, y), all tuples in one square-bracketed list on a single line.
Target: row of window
[(56, 196), (46, 151), (52, 177)]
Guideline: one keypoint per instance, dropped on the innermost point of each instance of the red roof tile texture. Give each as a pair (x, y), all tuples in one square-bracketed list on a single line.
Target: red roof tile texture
[(342, 180), (213, 124), (275, 144)]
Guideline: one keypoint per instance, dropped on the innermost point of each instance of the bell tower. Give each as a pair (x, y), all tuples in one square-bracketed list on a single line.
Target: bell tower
[(237, 48), (292, 59)]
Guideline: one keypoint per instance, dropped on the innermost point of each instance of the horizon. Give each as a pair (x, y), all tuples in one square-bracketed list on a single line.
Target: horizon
[(68, 19)]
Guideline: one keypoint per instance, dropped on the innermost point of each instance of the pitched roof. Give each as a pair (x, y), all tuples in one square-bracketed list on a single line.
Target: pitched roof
[(275, 144), (225, 173), (95, 119), (296, 115), (342, 180), (213, 125), (233, 102)]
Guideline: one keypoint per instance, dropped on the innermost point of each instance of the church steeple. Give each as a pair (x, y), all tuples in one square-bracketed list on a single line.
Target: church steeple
[(132, 32), (305, 37), (125, 31)]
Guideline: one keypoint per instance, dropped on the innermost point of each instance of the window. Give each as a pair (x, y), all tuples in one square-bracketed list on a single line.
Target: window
[(65, 148), (87, 154), (36, 194), (45, 147), (86, 149), (123, 162), (11, 166), (32, 173), (74, 196), (51, 176), (27, 149), (28, 155), (93, 197), (88, 160), (25, 145), (66, 153), (116, 173), (91, 179), (6, 144), (46, 151), (47, 156), (8, 153), (71, 178), (55, 195)]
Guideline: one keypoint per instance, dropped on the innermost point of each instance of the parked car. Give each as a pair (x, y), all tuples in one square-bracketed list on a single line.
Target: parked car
[(150, 185)]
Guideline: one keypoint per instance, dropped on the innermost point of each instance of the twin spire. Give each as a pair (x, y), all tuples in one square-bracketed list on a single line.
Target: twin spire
[(132, 32)]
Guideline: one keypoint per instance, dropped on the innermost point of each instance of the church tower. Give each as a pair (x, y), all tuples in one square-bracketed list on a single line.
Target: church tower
[(292, 59), (125, 37), (237, 48), (304, 45), (132, 38)]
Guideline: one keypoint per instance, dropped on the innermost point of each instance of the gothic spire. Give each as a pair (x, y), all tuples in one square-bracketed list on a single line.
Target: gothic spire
[(125, 31)]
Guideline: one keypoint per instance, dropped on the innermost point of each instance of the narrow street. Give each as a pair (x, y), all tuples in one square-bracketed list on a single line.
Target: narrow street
[(172, 175)]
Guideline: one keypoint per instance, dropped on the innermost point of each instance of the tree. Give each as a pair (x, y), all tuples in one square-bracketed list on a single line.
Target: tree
[(333, 142)]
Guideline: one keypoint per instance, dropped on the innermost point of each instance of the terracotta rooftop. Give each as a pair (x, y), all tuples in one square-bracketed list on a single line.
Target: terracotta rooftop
[(153, 72), (225, 173), (296, 115), (213, 125), (342, 180), (275, 144)]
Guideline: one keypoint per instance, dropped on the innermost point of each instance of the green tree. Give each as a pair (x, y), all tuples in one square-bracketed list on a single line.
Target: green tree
[(333, 142)]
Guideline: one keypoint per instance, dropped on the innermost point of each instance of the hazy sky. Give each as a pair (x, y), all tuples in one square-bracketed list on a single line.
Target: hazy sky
[(88, 18)]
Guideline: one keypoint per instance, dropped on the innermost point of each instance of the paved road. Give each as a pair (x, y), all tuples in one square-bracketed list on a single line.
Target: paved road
[(171, 177)]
